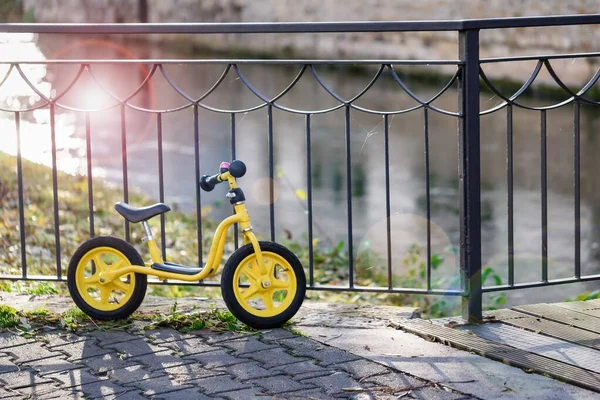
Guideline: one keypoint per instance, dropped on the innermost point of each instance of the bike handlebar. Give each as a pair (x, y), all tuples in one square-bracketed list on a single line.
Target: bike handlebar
[(236, 168)]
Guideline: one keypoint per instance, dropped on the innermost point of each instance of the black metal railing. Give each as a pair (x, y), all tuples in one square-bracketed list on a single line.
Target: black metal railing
[(470, 77)]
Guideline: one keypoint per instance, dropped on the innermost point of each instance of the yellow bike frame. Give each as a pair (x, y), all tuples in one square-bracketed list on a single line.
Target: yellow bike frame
[(215, 254)]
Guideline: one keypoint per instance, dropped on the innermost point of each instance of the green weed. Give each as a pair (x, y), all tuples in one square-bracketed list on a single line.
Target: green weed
[(42, 288), (9, 316)]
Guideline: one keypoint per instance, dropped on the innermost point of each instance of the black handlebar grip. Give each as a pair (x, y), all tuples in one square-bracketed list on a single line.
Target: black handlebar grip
[(208, 183), (237, 169)]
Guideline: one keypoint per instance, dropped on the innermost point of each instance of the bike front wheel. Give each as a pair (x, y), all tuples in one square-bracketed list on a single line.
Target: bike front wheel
[(257, 305)]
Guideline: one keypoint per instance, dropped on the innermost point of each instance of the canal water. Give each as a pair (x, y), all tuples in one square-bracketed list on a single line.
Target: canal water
[(328, 152)]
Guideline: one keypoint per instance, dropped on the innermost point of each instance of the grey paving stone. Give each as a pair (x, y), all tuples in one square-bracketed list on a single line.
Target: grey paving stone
[(314, 394), (361, 369), (6, 365), (37, 390), (326, 355), (81, 349), (161, 361), (431, 393), (303, 370), (22, 378), (394, 379), (334, 383), (255, 393), (6, 394), (103, 389), (165, 335), (191, 371), (162, 384), (110, 337), (10, 340), (250, 370), (247, 345), (276, 335), (60, 394), (184, 394), (9, 395), (273, 358), (189, 346), (29, 352), (75, 378), (52, 365), (214, 337), (59, 338), (419, 389), (131, 395), (133, 373), (105, 363), (216, 359), (281, 384), (219, 384), (135, 348)]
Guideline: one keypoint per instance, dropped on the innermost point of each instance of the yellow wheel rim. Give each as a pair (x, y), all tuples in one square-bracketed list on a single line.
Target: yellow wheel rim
[(270, 301), (112, 295)]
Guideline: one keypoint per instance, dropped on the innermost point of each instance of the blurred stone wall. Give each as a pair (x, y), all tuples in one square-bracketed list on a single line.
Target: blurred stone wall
[(424, 45)]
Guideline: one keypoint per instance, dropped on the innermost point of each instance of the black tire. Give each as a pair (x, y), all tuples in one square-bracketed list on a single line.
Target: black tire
[(141, 280), (227, 286)]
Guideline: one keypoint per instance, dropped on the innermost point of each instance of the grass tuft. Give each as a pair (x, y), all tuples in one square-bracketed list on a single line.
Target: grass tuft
[(9, 316)]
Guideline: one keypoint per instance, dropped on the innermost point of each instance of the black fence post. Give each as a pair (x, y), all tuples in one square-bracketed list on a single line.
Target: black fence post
[(470, 176)]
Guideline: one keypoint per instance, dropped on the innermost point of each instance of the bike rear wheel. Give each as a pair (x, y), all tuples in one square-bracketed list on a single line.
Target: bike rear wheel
[(113, 300)]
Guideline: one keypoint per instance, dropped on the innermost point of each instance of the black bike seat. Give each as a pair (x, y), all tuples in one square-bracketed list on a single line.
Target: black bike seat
[(137, 214)]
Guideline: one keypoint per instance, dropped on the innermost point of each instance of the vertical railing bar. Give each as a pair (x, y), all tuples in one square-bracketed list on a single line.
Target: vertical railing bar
[(271, 172), (470, 176), (124, 160), (311, 277), (161, 184), (427, 194), (576, 186), (510, 194), (55, 192), (88, 155), (544, 166), (388, 213), (20, 194), (198, 191), (233, 155), (349, 199)]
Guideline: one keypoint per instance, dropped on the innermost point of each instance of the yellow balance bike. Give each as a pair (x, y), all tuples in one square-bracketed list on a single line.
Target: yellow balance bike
[(263, 283)]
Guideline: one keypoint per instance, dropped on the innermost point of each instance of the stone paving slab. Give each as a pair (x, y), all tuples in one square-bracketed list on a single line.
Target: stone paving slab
[(462, 371), (79, 350), (59, 338), (106, 363), (10, 340), (133, 373), (188, 346), (165, 364), (190, 372), (29, 352), (6, 365), (53, 365), (60, 394), (23, 378), (250, 370), (238, 366), (37, 390)]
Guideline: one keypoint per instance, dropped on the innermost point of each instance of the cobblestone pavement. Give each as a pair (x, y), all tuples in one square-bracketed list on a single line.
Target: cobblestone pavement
[(166, 364)]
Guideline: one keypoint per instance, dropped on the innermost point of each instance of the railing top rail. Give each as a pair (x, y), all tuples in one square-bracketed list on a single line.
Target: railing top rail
[(305, 27), (236, 61)]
